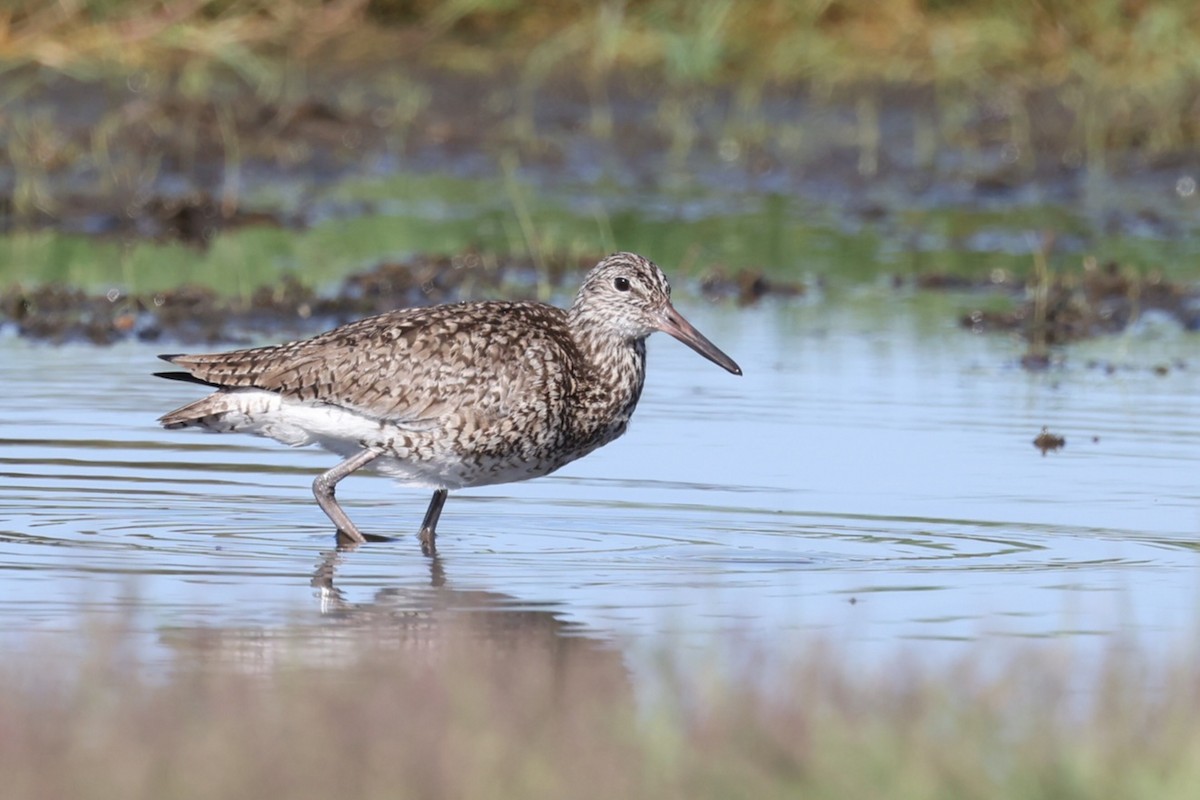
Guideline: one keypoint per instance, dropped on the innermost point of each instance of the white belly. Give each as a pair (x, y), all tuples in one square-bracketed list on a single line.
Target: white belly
[(415, 454)]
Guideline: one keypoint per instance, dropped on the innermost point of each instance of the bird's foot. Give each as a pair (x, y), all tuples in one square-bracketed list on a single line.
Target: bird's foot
[(428, 542), (349, 541), (345, 541)]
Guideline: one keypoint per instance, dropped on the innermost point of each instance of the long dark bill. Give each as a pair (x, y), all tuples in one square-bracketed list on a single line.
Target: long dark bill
[(672, 322)]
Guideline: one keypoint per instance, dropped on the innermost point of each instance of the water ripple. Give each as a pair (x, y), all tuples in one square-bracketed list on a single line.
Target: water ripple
[(864, 480)]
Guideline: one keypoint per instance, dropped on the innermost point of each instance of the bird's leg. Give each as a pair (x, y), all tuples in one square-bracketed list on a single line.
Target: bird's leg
[(429, 524), (326, 482)]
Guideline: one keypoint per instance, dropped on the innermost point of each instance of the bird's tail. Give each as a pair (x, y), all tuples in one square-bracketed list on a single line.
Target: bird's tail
[(199, 414), (222, 411)]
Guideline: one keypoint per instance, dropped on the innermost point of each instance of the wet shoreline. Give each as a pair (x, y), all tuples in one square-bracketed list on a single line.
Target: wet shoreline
[(1048, 312), (198, 314)]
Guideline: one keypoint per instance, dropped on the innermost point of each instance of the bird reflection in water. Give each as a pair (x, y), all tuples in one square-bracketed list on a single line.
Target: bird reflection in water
[(418, 623)]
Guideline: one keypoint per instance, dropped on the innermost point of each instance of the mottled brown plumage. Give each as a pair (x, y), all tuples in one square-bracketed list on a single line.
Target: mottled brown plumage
[(467, 394)]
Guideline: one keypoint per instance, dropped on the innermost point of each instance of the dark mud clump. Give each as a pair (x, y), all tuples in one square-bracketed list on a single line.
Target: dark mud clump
[(196, 314), (949, 282), (1049, 442), (195, 218), (42, 314), (746, 286), (1160, 369), (1094, 301)]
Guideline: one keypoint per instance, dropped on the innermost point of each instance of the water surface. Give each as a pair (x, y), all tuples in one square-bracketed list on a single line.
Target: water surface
[(871, 481)]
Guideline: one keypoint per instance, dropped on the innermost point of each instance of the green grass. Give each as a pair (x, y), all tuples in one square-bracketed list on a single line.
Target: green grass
[(477, 710), (769, 236), (414, 214)]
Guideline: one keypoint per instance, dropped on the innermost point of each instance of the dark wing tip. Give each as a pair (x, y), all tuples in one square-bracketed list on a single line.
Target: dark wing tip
[(186, 377)]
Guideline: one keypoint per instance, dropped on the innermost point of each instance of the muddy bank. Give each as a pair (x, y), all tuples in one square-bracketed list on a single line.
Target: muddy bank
[(1051, 309), (195, 315), (200, 315), (1094, 300), (1064, 307)]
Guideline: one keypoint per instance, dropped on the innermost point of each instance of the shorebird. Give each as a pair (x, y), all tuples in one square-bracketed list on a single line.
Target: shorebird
[(451, 396)]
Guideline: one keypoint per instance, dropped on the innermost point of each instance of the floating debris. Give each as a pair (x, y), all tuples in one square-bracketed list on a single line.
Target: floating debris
[(1048, 442), (1037, 362), (1160, 369)]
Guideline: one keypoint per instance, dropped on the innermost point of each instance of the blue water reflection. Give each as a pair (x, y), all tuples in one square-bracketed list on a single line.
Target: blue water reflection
[(871, 480)]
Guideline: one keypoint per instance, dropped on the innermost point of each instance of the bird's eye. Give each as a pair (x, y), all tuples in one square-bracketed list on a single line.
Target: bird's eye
[(622, 284)]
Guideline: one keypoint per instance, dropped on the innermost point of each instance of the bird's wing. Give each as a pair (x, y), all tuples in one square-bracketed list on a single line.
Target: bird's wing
[(408, 365)]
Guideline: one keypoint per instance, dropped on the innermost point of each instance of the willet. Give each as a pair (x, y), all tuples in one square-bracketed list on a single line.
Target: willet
[(451, 396)]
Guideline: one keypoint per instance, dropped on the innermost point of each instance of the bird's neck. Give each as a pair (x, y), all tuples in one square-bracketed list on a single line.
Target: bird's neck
[(611, 385)]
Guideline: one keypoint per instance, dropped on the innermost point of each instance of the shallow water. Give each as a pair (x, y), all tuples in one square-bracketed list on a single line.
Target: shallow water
[(871, 481)]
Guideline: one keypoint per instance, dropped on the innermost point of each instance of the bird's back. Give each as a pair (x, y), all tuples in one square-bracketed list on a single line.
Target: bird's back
[(408, 364)]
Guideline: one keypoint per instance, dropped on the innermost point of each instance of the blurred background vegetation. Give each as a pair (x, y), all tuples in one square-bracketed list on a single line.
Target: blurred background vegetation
[(194, 122), (1127, 46), (1127, 69), (392, 713), (1119, 74)]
